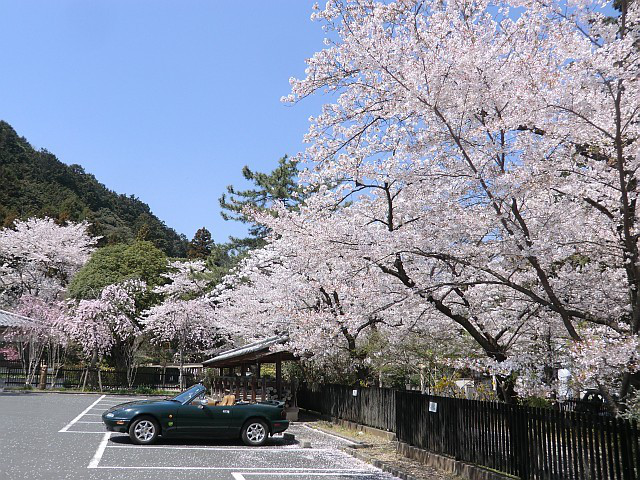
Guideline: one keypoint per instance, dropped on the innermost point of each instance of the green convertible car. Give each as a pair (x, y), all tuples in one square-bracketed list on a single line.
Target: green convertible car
[(190, 414)]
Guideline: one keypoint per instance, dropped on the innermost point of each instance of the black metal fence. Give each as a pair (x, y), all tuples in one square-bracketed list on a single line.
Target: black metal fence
[(14, 376), (527, 442)]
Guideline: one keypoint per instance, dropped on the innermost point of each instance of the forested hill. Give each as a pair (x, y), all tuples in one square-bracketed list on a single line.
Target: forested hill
[(36, 183)]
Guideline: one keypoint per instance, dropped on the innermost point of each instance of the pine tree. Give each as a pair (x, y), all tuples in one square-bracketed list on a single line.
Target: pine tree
[(200, 246), (279, 185)]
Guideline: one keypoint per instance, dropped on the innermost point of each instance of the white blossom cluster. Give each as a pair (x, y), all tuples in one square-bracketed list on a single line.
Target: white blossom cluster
[(96, 325), (475, 177), (38, 257)]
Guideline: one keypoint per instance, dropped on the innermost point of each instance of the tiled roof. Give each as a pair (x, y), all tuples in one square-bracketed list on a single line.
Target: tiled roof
[(8, 319), (249, 348)]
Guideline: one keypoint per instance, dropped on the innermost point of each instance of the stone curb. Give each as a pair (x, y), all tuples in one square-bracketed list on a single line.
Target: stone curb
[(390, 436), (462, 469), (339, 435), (385, 467)]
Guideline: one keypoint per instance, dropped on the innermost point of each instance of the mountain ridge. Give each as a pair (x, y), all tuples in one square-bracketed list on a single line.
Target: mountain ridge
[(35, 183)]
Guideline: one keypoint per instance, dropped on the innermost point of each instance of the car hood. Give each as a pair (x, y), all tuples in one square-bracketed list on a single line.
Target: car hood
[(138, 403)]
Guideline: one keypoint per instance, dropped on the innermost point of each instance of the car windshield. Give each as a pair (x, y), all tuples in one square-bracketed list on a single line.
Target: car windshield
[(189, 393)]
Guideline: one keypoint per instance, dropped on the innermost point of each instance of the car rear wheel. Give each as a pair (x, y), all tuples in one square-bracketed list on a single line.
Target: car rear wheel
[(255, 433), (144, 431)]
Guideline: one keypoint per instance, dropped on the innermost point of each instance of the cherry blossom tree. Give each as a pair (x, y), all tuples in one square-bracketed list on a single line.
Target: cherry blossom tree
[(476, 174), (43, 334), (185, 279), (38, 257), (97, 325), (185, 318), (325, 304), (186, 324)]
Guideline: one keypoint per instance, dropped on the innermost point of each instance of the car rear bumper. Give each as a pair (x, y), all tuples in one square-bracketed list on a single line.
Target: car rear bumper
[(279, 426)]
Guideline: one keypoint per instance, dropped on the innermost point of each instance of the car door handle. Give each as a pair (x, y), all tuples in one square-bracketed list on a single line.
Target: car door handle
[(225, 411), (200, 407)]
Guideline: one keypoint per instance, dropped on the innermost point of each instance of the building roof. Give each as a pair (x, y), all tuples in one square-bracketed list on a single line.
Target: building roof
[(252, 352), (9, 319)]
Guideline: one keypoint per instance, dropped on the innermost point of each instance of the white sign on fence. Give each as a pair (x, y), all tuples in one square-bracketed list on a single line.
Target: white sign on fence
[(355, 393), (433, 407)]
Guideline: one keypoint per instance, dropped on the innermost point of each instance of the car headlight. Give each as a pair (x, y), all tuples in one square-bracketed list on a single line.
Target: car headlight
[(109, 415)]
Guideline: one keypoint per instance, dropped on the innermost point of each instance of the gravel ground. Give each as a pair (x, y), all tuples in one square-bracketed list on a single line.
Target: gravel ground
[(387, 453), (384, 450)]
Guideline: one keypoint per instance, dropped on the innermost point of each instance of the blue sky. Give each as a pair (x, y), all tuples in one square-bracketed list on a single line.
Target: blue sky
[(166, 100)]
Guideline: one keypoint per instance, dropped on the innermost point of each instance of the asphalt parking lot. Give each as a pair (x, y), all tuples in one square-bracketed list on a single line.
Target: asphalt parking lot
[(61, 436)]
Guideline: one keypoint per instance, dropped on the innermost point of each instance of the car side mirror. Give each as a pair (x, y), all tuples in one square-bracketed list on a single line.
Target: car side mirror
[(204, 402)]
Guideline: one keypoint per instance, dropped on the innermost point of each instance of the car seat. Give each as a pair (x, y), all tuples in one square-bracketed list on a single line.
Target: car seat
[(228, 400)]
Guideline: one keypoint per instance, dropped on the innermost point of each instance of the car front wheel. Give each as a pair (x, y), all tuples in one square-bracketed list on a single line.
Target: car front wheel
[(144, 431), (255, 433)]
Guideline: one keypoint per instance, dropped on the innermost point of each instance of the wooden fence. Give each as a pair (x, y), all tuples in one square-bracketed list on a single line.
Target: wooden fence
[(526, 442), (14, 376), (375, 407), (250, 388)]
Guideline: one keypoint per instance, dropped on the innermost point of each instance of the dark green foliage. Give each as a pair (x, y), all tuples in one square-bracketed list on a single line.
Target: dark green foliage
[(36, 183), (279, 185), (200, 246), (116, 263), (222, 259)]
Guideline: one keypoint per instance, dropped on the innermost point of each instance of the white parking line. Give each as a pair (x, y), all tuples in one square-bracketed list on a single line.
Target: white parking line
[(110, 398), (66, 427), (121, 400), (100, 451), (88, 422), (72, 431), (241, 476), (256, 470), (230, 449)]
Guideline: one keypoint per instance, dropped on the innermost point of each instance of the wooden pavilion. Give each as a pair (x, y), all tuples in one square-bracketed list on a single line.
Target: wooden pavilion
[(239, 369)]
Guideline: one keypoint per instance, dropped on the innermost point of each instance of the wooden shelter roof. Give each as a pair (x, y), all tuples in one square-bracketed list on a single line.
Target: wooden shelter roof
[(259, 351), (9, 319)]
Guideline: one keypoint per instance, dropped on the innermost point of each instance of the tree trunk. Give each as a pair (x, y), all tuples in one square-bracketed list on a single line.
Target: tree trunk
[(92, 377), (505, 389), (181, 381)]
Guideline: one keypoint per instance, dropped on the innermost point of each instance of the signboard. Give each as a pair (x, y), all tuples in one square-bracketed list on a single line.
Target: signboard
[(433, 407), (355, 393)]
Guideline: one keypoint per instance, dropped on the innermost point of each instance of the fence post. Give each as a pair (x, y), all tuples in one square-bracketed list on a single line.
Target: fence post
[(518, 439), (454, 410), (627, 438)]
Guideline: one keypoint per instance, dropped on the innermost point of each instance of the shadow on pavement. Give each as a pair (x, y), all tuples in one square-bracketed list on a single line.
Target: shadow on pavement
[(208, 442)]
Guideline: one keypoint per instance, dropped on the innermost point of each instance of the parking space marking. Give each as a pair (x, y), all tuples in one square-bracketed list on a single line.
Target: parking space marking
[(273, 449), (116, 460), (71, 431), (100, 451), (66, 427), (241, 476), (256, 470), (88, 422), (120, 400), (108, 399)]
